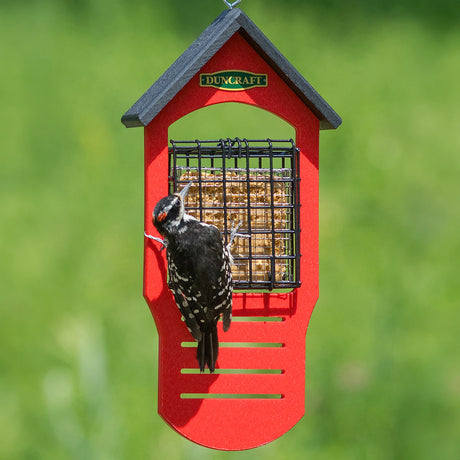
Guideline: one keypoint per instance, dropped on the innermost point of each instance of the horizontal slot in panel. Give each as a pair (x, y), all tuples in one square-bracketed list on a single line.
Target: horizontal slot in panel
[(230, 396), (196, 370)]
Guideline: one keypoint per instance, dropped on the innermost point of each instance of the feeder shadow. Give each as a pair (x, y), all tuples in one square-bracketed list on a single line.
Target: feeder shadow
[(175, 408), (188, 406), (165, 294), (269, 304)]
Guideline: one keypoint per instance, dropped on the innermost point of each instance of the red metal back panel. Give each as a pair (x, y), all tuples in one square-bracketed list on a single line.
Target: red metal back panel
[(233, 415)]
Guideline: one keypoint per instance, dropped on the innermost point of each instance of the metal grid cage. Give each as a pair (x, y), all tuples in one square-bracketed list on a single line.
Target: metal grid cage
[(251, 183)]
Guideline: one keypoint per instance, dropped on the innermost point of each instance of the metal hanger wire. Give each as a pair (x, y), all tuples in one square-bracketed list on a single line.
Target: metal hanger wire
[(231, 4)]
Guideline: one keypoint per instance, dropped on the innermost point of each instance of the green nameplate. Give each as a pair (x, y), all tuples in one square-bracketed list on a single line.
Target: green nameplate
[(233, 80)]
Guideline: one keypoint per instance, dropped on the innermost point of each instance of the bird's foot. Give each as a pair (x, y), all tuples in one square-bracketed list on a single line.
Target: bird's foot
[(234, 233), (164, 244)]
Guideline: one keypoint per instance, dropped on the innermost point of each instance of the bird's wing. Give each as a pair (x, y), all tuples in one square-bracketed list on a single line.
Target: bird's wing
[(184, 307), (209, 265)]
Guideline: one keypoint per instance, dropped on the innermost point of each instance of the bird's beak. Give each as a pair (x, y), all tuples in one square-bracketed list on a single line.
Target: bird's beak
[(184, 191)]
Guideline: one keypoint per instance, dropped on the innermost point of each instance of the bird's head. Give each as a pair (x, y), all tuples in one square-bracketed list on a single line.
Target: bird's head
[(169, 211)]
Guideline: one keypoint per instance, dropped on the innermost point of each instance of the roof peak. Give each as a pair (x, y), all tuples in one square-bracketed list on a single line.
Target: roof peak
[(188, 64)]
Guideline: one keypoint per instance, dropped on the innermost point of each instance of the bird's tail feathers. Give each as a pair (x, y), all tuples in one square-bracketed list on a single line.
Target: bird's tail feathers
[(208, 348)]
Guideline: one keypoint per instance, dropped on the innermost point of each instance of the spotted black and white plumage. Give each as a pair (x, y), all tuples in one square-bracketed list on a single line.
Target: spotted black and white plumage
[(200, 277)]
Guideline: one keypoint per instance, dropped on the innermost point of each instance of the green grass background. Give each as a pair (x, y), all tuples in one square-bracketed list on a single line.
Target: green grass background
[(78, 347)]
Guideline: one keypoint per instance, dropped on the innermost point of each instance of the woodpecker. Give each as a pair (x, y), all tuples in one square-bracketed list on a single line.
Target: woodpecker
[(200, 277)]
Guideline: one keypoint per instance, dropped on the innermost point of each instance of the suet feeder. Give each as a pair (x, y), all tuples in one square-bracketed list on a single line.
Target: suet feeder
[(268, 186)]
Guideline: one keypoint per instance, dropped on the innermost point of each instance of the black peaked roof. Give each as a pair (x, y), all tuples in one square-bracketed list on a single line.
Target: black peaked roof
[(203, 49)]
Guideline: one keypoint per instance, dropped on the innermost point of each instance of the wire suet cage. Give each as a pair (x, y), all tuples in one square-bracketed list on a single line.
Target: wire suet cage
[(252, 184)]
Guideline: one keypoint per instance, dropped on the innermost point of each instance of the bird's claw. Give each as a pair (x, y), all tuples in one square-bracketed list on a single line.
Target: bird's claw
[(164, 244), (234, 234)]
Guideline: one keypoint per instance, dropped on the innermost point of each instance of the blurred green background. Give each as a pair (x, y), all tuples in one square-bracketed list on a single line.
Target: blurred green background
[(78, 346)]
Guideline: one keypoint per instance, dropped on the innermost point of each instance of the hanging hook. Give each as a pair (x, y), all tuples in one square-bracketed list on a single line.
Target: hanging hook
[(230, 4)]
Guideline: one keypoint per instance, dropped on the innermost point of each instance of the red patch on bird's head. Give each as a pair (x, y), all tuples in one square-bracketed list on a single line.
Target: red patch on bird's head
[(161, 217)]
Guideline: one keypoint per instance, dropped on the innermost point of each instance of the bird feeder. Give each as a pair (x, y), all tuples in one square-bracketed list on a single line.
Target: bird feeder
[(267, 186)]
